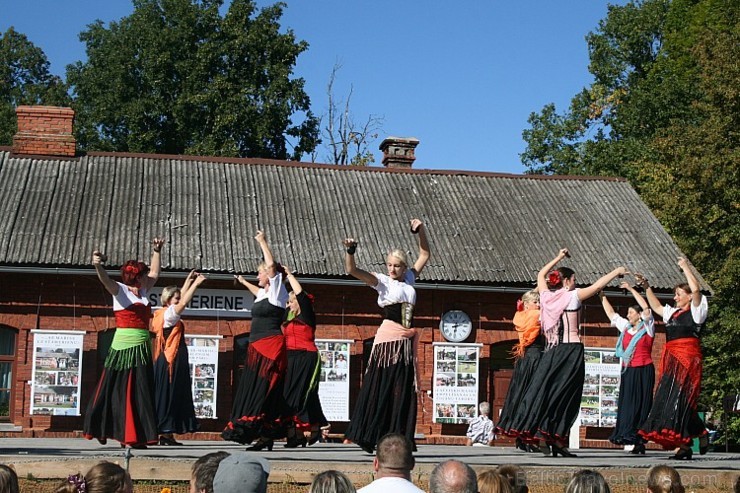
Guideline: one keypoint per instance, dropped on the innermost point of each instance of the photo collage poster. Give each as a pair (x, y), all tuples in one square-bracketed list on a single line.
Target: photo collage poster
[(57, 366), (334, 378), (455, 382), (203, 355), (600, 388)]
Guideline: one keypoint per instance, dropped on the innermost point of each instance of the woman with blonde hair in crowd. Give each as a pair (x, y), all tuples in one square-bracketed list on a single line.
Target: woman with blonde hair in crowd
[(490, 481), (172, 383), (387, 399), (664, 479), (104, 477), (331, 481), (587, 481)]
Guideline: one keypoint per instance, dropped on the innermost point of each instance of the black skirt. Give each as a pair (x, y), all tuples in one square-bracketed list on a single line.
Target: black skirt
[(387, 399), (122, 407), (174, 396), (562, 371), (673, 420), (517, 410), (635, 401), (259, 409), (302, 390)]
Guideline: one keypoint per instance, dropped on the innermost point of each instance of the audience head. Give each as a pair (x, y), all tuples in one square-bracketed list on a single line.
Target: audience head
[(453, 476), (516, 476), (103, 477), (8, 480), (484, 408), (587, 481), (490, 481), (332, 481), (664, 479), (203, 471), (242, 472), (394, 455)]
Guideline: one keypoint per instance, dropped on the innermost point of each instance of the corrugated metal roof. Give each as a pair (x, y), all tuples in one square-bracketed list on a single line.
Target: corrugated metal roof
[(484, 228)]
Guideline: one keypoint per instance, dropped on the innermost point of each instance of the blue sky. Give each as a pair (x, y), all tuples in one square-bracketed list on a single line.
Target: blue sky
[(462, 77)]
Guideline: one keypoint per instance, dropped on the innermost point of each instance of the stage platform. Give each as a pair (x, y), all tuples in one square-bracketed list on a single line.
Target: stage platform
[(58, 457)]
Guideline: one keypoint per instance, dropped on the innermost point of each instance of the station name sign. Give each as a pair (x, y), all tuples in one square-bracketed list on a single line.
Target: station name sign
[(222, 303)]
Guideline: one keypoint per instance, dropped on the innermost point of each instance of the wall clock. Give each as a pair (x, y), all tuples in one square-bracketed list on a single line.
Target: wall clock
[(455, 326)]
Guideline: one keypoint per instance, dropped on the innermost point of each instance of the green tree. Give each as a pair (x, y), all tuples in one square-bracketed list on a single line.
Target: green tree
[(177, 76), (663, 112), (24, 79)]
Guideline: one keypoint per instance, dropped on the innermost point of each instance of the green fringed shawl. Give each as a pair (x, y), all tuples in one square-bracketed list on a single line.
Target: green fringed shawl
[(130, 348)]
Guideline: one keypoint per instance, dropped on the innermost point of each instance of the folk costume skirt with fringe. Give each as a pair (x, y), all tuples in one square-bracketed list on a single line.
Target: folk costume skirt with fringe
[(517, 409), (635, 401), (259, 408), (174, 394), (387, 399), (562, 371), (122, 406), (673, 420), (302, 389)]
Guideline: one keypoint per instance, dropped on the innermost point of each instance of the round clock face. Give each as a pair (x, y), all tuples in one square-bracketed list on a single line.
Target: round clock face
[(455, 326)]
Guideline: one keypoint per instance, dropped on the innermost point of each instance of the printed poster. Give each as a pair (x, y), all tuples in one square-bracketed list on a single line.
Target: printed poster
[(334, 378), (57, 367), (600, 388), (203, 357), (456, 378)]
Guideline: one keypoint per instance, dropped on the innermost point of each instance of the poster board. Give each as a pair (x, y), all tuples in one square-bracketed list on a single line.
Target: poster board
[(203, 358), (56, 375), (334, 378), (456, 379), (600, 388)]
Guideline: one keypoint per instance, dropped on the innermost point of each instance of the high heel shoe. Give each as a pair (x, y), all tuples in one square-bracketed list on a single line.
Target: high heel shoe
[(163, 440), (562, 451), (638, 449), (261, 444), (533, 448), (683, 454), (521, 445), (315, 437), (296, 441)]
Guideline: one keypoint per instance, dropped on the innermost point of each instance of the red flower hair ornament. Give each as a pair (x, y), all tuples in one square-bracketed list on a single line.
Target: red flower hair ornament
[(519, 305), (554, 278)]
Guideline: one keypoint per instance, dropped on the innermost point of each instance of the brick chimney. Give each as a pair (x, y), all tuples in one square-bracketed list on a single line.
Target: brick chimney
[(398, 152), (45, 131)]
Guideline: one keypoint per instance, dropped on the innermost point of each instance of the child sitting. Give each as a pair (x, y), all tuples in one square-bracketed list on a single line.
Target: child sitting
[(480, 429)]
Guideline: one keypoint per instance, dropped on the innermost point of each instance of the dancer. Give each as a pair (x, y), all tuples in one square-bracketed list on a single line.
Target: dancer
[(122, 406), (258, 407), (673, 421), (172, 384), (562, 368), (527, 354), (387, 400), (304, 368), (635, 345)]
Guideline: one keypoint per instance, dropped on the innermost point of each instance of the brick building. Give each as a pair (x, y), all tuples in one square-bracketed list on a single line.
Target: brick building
[(489, 233)]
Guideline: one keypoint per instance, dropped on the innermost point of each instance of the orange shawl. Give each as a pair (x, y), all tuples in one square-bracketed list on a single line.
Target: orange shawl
[(167, 346), (527, 324)]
